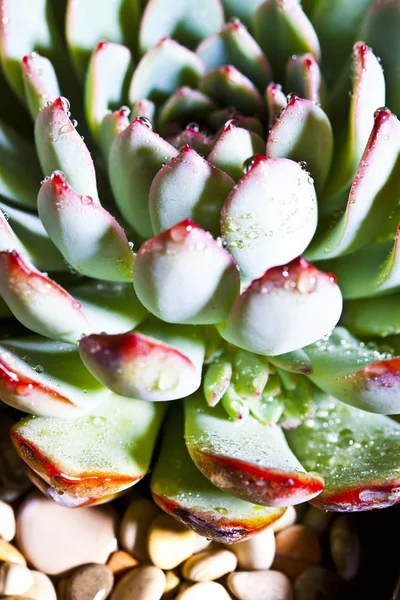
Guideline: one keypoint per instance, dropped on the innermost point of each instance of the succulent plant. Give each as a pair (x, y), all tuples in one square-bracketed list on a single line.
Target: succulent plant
[(221, 245)]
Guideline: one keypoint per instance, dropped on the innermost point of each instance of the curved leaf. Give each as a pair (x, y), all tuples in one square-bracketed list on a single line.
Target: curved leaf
[(112, 124), (276, 102), (184, 105), (373, 316), (40, 82), (303, 77)]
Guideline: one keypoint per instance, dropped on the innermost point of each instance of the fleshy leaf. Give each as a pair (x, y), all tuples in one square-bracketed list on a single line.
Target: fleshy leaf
[(185, 105), (357, 455), (154, 362), (227, 85), (97, 456), (303, 77), (233, 148), (216, 380), (179, 488), (135, 157), (234, 45), (276, 102), (112, 125), (87, 23), (102, 250), (270, 216), (47, 378), (282, 29), (166, 67), (303, 133), (144, 108), (187, 21), (294, 362), (287, 308), (374, 194), (245, 458), (60, 147), (188, 259), (356, 373), (373, 316), (20, 172), (188, 187), (237, 9), (40, 82), (196, 139), (38, 302), (105, 83)]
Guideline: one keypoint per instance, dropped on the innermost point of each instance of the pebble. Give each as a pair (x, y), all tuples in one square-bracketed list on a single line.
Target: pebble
[(318, 520), (297, 549), (288, 518), (170, 542), (135, 525), (8, 553), (120, 562), (207, 590), (142, 583), (345, 547), (14, 579), (89, 582), (209, 565), (55, 539), (7, 522), (172, 582), (42, 587), (319, 584), (257, 552), (260, 585)]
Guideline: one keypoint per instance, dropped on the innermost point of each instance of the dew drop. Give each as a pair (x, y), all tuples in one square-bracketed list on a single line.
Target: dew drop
[(145, 121)]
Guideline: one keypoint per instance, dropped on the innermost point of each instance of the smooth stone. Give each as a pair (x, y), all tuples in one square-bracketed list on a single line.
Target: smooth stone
[(318, 520), (319, 584), (8, 553), (257, 552), (15, 597), (288, 518), (120, 562), (209, 565), (172, 582), (42, 588), (135, 525), (14, 579), (297, 549), (207, 590), (7, 522), (345, 547), (260, 585), (89, 582), (55, 539), (142, 583), (170, 542)]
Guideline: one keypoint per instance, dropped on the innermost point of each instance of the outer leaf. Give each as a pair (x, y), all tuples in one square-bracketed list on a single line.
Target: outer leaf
[(19, 169), (352, 439), (180, 489), (303, 133), (163, 69), (246, 459), (99, 456), (99, 250), (282, 29), (234, 45), (233, 148), (47, 378), (216, 381), (276, 102), (303, 77), (270, 216), (87, 23), (60, 146), (112, 124), (188, 187), (373, 316), (188, 259), (287, 308), (105, 83), (356, 374), (40, 82), (237, 9), (135, 157), (185, 105), (196, 139), (154, 362), (144, 108), (187, 21)]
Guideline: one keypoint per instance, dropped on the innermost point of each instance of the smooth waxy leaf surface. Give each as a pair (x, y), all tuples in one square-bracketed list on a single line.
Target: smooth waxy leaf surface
[(373, 316), (241, 10), (112, 124), (184, 105), (276, 102), (216, 380), (303, 77), (40, 82), (199, 141)]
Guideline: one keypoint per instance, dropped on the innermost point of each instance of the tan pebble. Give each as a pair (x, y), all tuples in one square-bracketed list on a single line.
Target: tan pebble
[(7, 522), (56, 539), (260, 585), (172, 582), (135, 525), (14, 579), (207, 590), (8, 553), (42, 587), (170, 542), (345, 547), (120, 562), (209, 565), (89, 582), (142, 583), (257, 552), (318, 520), (288, 518), (297, 549), (202, 543), (18, 597)]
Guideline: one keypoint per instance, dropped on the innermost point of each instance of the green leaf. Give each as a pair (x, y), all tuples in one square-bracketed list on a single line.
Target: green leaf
[(216, 380), (112, 124), (184, 105), (303, 77), (373, 316), (179, 488), (40, 82), (100, 455), (276, 102), (237, 9)]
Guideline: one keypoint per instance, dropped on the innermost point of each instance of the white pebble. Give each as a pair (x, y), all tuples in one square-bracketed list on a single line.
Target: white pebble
[(135, 525), (7, 522), (14, 579), (142, 583), (257, 552), (288, 518), (42, 587), (260, 585), (207, 590), (209, 565)]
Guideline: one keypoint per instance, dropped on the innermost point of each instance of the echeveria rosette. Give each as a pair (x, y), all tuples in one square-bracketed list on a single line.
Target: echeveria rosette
[(179, 254)]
